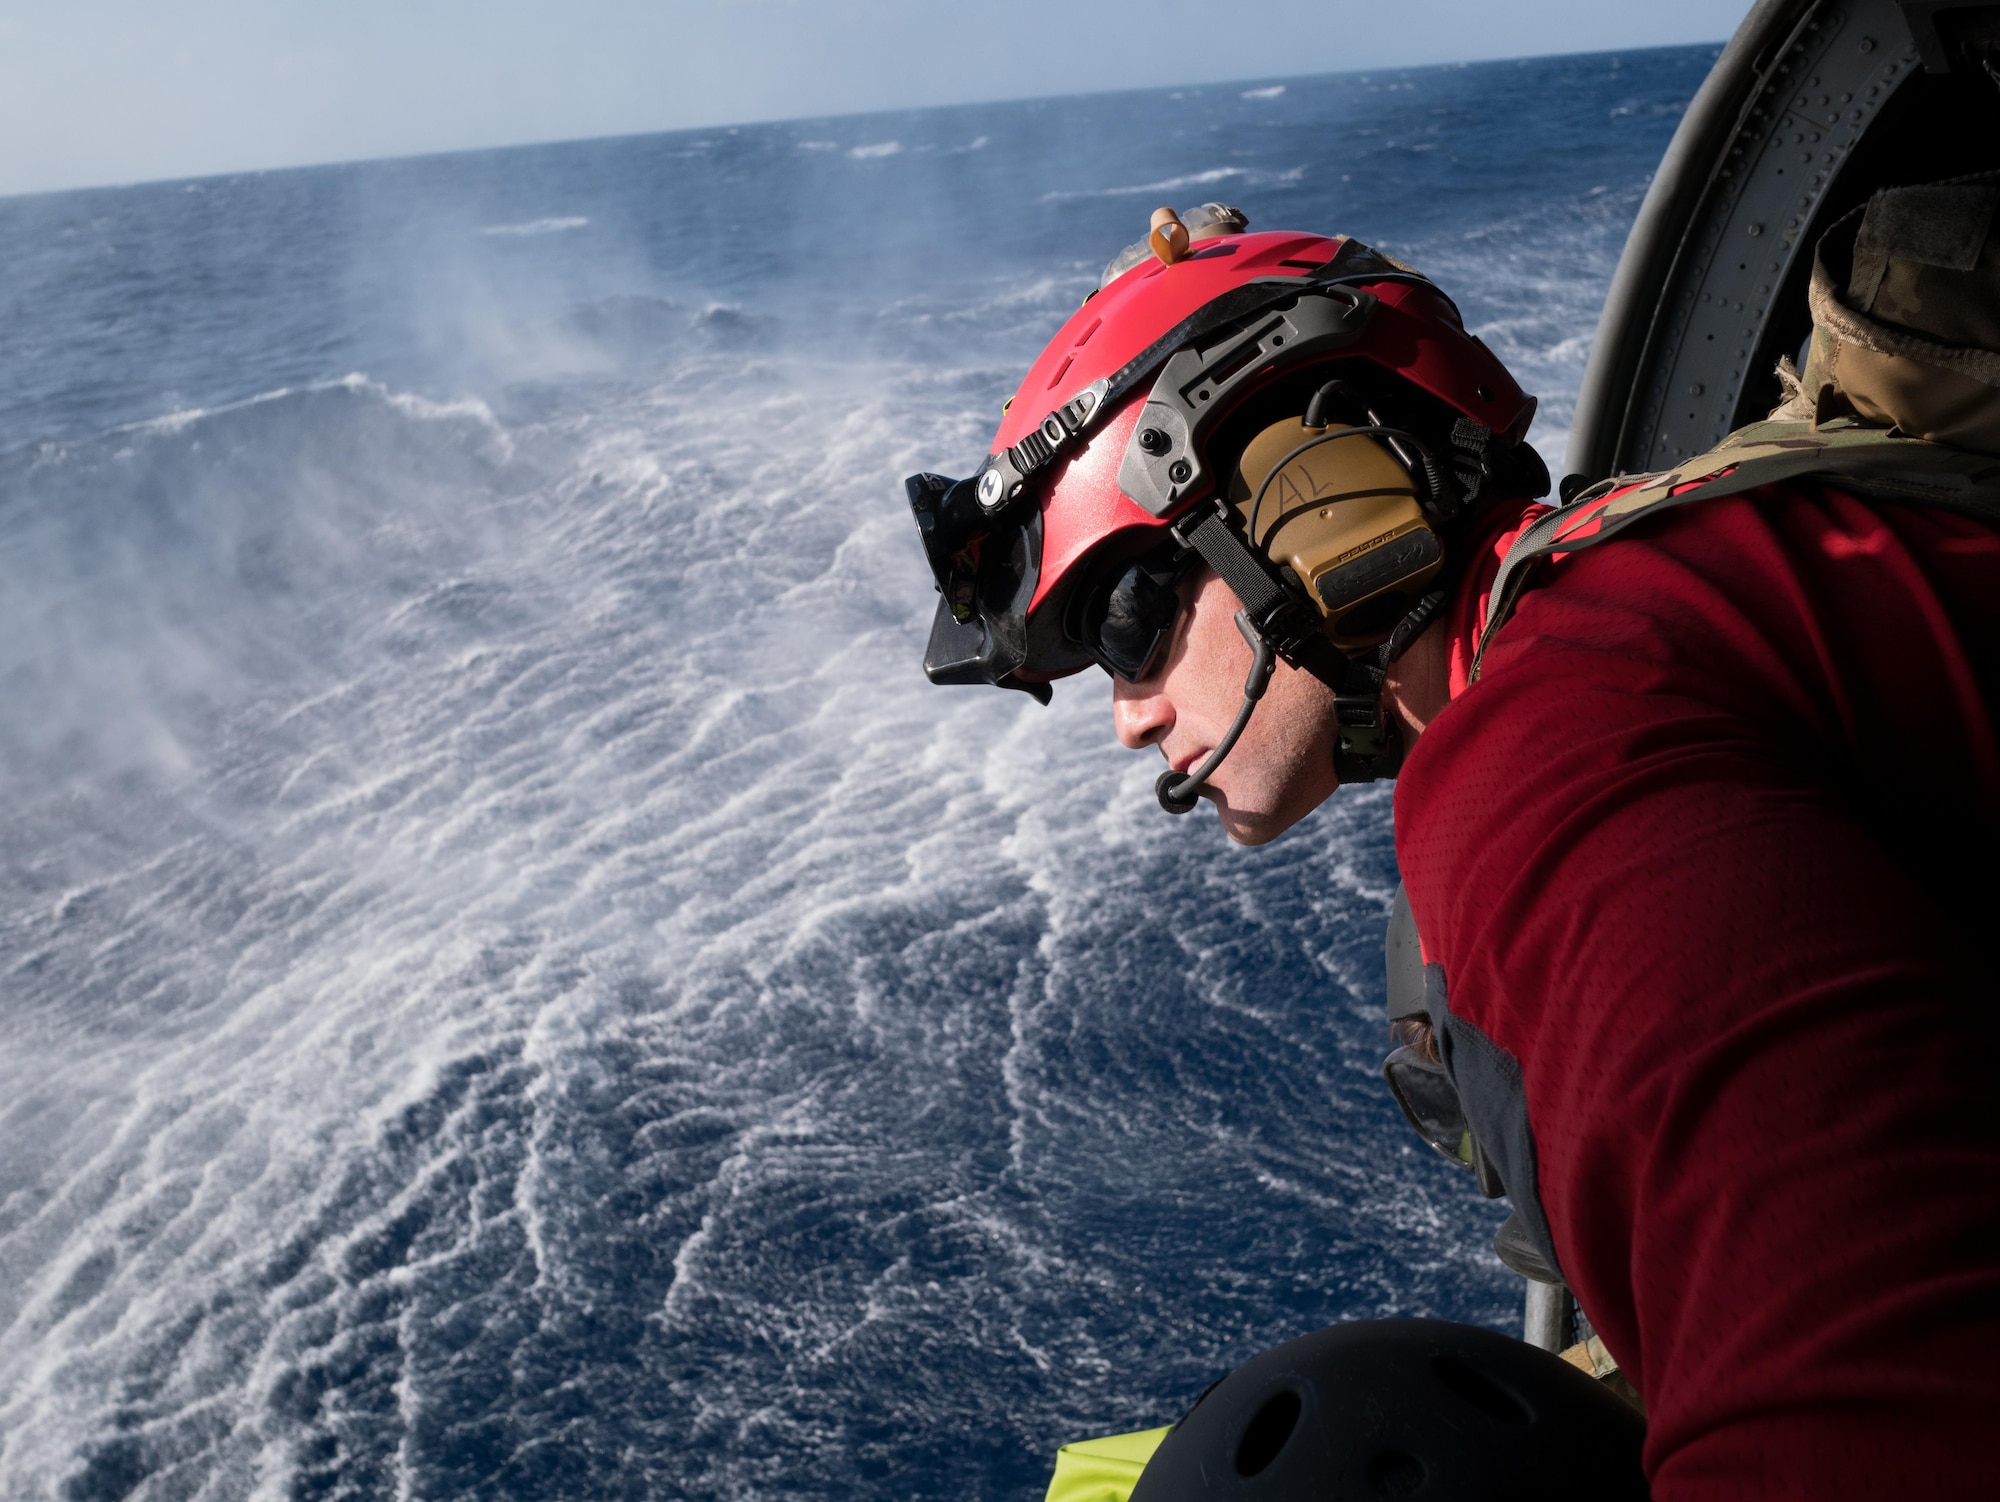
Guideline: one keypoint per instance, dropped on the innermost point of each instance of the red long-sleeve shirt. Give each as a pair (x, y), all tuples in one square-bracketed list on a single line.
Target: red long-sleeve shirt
[(1711, 849)]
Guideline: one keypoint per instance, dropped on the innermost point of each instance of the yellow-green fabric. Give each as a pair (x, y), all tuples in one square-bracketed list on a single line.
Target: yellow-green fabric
[(1102, 1470)]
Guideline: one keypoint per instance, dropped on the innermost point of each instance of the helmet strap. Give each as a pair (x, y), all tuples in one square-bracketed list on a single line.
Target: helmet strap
[(1270, 608), (1366, 748)]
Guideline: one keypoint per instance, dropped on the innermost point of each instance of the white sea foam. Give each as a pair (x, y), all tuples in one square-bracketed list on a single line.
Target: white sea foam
[(553, 226), (174, 422), (878, 149), (621, 741), (1242, 179), (1202, 179), (1272, 92)]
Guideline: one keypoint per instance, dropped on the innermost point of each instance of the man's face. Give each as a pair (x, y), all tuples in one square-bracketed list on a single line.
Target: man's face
[(1282, 769)]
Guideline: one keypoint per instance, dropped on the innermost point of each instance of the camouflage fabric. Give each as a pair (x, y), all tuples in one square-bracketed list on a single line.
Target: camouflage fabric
[(1905, 299), (1899, 400), (1868, 461)]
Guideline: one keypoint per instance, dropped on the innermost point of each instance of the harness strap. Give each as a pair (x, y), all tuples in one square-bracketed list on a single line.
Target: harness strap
[(1875, 463)]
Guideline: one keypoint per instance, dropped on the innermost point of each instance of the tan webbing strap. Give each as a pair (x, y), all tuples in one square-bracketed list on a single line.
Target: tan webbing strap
[(1873, 462), (1593, 1360)]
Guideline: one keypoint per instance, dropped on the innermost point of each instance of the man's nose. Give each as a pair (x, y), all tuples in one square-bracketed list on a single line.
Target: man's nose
[(1140, 713)]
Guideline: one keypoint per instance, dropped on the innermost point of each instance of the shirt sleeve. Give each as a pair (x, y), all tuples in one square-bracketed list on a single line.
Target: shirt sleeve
[(1756, 1047)]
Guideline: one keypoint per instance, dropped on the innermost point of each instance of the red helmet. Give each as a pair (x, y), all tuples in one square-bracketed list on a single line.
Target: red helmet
[(1127, 433)]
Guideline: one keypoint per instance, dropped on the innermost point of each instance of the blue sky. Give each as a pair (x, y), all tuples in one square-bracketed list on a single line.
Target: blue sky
[(110, 91)]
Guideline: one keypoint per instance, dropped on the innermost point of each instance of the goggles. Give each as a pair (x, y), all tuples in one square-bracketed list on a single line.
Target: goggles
[(1126, 617), (1430, 1101), (987, 575), (983, 535)]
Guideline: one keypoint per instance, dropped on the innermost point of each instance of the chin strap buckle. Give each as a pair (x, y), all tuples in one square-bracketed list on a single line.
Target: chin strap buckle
[(1470, 465)]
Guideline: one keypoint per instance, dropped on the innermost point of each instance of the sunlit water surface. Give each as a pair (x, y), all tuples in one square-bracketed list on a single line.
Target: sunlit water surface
[(514, 986)]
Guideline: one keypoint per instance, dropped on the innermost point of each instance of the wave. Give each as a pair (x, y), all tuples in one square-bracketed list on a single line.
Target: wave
[(412, 405), (1242, 177), (646, 330), (537, 227), (568, 815), (879, 149), (175, 421), (1666, 108), (1271, 92)]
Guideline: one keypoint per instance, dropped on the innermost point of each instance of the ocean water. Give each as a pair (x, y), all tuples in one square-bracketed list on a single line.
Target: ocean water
[(513, 986)]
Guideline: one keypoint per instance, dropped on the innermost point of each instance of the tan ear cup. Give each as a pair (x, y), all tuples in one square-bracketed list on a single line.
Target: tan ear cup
[(1343, 516), (1169, 237)]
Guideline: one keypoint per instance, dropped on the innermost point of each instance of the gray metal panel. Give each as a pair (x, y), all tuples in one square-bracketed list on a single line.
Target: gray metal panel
[(1728, 224), (1548, 1318)]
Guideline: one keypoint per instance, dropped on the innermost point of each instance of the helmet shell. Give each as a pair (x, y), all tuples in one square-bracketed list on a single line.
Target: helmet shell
[(1402, 1407), (1416, 333), (1120, 320)]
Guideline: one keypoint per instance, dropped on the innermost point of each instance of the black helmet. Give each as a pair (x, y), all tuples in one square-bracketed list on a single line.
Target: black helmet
[(1401, 1408)]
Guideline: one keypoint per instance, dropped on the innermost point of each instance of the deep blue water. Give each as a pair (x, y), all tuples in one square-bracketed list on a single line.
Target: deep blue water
[(513, 985)]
